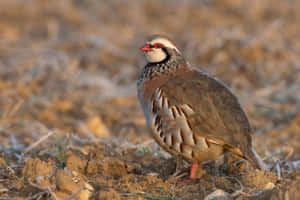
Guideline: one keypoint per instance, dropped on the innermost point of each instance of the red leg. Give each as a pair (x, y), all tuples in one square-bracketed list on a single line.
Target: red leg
[(194, 170), (195, 173)]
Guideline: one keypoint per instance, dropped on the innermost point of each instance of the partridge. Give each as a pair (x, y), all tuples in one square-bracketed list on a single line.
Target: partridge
[(192, 115)]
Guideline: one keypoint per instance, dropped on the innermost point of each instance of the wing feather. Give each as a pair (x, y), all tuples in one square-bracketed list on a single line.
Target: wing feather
[(217, 113)]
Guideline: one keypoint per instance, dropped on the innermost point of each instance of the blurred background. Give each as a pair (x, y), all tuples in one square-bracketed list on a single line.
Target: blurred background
[(72, 66)]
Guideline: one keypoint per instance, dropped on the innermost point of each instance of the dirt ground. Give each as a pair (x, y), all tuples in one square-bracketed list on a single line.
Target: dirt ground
[(70, 123)]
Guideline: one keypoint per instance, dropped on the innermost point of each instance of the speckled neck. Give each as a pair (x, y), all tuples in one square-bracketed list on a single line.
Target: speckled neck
[(169, 65)]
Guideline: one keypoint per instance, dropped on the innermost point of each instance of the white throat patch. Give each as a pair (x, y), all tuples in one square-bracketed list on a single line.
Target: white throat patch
[(156, 55)]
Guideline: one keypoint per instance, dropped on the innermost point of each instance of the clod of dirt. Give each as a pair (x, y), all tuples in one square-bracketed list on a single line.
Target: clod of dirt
[(103, 182), (207, 185), (67, 183), (285, 189), (288, 188), (258, 179), (19, 184), (108, 166), (167, 168), (83, 195), (2, 162), (97, 127), (108, 195), (151, 184), (148, 162), (38, 171), (228, 184), (75, 162), (125, 183)]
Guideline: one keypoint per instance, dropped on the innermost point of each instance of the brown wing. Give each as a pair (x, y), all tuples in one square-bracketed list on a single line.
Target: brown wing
[(218, 114)]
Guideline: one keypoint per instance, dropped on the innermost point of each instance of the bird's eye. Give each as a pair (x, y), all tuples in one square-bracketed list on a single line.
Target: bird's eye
[(158, 45)]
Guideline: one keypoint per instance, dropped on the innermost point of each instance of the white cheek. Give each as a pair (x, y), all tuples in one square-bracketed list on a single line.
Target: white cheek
[(156, 55)]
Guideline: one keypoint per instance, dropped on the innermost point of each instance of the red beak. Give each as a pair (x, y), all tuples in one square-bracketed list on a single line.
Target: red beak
[(146, 48)]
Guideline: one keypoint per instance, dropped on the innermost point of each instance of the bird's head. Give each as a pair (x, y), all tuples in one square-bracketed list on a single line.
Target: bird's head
[(159, 48)]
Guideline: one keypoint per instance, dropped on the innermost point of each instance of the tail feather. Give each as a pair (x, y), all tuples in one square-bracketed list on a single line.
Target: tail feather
[(256, 161), (251, 156)]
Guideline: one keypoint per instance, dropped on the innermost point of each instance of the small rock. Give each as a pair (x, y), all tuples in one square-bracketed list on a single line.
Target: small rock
[(218, 195)]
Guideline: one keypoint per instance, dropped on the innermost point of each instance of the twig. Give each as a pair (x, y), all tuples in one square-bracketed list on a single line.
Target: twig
[(274, 165), (52, 193), (38, 195), (9, 113), (16, 108), (273, 154), (240, 191), (46, 189), (38, 142), (290, 151), (278, 171), (75, 193), (38, 186), (151, 196)]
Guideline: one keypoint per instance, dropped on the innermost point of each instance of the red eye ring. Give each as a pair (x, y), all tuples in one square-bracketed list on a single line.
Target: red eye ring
[(158, 45)]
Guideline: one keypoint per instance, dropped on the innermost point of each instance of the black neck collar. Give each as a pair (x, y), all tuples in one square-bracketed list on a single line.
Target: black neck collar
[(170, 63)]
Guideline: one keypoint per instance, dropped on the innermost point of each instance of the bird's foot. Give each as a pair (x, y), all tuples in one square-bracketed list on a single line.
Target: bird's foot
[(196, 172)]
